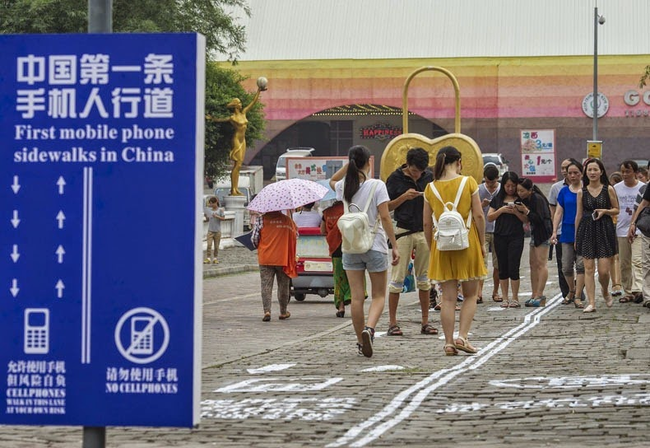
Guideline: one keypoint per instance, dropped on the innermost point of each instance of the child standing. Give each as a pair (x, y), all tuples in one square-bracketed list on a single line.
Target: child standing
[(215, 215)]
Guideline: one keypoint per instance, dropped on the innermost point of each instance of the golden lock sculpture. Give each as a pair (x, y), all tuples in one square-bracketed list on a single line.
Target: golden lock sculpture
[(395, 153)]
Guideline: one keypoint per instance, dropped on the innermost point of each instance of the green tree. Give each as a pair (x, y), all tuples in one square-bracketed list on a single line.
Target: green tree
[(224, 36), (644, 78), (209, 17)]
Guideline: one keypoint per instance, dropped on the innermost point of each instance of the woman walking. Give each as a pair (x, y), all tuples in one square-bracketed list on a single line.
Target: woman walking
[(595, 231), (508, 212), (358, 188), (565, 216), (450, 267), (342, 295), (538, 214)]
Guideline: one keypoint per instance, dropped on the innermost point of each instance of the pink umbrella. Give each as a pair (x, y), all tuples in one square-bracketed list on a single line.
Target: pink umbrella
[(286, 195)]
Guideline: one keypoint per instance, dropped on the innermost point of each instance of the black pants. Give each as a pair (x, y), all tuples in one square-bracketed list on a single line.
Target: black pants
[(564, 286), (509, 250)]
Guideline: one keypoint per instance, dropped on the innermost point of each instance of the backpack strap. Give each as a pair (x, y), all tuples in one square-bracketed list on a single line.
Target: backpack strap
[(461, 187)]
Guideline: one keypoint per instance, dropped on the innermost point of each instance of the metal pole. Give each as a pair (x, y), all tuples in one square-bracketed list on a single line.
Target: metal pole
[(595, 137), (100, 20), (94, 437), (100, 16)]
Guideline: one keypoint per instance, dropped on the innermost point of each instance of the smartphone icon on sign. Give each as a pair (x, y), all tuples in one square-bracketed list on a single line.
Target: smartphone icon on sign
[(142, 336), (37, 331)]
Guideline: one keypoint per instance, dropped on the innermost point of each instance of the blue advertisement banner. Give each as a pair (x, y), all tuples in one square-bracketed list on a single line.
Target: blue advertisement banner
[(101, 161)]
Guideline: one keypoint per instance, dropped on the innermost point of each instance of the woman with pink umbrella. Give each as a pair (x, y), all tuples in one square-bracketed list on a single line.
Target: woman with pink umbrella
[(275, 235)]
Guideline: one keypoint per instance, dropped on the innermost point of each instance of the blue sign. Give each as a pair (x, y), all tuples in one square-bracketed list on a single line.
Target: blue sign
[(101, 161)]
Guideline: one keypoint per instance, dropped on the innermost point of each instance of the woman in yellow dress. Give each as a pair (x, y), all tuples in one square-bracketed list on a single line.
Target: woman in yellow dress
[(450, 267)]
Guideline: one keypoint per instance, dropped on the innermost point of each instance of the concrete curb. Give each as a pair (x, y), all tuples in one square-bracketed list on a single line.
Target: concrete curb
[(212, 272)]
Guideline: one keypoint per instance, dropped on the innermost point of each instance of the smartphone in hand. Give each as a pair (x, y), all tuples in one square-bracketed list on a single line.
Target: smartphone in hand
[(594, 215)]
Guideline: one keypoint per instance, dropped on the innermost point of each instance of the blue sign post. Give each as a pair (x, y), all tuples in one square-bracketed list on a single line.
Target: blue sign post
[(101, 163)]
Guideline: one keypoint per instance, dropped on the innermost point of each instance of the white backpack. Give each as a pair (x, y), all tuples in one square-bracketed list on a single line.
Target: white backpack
[(452, 233), (355, 228)]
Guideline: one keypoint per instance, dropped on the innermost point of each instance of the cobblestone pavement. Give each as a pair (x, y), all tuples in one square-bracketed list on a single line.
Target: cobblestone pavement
[(549, 376)]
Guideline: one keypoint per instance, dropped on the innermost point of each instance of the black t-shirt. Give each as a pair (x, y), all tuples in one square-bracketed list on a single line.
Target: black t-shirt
[(409, 214), (506, 224)]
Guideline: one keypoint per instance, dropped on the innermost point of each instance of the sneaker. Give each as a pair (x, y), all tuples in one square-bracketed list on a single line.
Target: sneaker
[(215, 261), (206, 261), (367, 335)]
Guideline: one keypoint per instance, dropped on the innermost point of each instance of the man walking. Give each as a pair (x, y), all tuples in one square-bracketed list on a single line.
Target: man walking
[(629, 253), (406, 190), (552, 201)]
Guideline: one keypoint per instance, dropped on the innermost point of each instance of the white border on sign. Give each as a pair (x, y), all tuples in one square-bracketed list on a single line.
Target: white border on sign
[(198, 229)]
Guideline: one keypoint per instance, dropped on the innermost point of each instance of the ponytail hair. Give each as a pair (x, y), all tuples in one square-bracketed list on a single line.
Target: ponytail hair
[(358, 157), (445, 156)]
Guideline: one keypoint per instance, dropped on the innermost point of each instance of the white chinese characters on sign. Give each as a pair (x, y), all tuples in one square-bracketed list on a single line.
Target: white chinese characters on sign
[(42, 73)]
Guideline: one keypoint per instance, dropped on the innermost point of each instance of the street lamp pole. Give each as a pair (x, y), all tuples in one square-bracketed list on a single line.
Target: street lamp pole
[(595, 98)]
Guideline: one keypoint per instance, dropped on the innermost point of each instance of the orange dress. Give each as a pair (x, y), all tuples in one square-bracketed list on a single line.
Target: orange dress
[(461, 265)]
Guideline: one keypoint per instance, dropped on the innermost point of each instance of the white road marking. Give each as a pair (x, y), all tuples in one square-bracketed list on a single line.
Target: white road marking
[(271, 368), (279, 385), (391, 415), (383, 368)]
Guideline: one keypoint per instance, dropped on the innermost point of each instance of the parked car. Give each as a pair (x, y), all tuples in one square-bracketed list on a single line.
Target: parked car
[(281, 165), (496, 159)]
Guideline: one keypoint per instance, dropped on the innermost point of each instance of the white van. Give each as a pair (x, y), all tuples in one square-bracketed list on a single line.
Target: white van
[(281, 165)]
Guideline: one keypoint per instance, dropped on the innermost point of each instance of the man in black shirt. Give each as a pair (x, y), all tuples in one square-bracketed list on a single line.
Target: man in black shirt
[(406, 190)]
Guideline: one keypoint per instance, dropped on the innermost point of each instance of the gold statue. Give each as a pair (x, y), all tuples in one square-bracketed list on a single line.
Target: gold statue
[(239, 121)]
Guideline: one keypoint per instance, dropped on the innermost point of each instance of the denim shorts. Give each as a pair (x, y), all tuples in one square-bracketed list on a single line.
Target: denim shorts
[(546, 243), (373, 261)]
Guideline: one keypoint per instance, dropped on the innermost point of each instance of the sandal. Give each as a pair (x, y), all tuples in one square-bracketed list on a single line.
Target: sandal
[(617, 291), (267, 317), (609, 301), (496, 297), (284, 316), (428, 329), (578, 303), (480, 299), (626, 299), (514, 304), (394, 330), (464, 345), (589, 309), (569, 298), (340, 313), (505, 304), (450, 350)]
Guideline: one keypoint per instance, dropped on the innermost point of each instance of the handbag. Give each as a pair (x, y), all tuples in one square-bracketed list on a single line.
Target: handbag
[(643, 221)]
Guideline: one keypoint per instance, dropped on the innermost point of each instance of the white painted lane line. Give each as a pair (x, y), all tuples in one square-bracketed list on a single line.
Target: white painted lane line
[(270, 368), (441, 378), (383, 368)]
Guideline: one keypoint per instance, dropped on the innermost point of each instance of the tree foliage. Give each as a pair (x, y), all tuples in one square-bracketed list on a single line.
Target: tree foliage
[(644, 78), (212, 18)]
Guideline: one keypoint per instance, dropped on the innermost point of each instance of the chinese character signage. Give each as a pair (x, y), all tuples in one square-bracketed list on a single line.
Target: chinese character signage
[(538, 154), (318, 168), (101, 167)]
